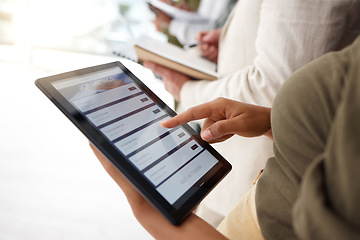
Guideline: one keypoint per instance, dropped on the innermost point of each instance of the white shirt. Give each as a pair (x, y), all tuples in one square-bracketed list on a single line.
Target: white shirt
[(261, 45)]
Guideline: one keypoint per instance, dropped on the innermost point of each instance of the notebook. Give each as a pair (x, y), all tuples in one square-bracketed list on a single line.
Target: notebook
[(171, 56)]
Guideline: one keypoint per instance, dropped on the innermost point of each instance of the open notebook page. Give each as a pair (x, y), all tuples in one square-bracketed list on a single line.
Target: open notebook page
[(176, 54), (177, 12)]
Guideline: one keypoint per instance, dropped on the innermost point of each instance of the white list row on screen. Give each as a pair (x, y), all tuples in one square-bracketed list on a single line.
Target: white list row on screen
[(100, 99)]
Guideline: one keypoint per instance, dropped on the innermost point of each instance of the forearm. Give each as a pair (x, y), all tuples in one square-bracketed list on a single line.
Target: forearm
[(245, 85), (159, 227), (192, 228)]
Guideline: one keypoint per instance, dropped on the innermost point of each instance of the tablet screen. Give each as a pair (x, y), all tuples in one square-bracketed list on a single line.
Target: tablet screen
[(128, 116)]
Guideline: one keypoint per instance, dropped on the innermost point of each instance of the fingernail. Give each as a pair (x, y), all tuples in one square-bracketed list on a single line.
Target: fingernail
[(163, 123), (206, 135)]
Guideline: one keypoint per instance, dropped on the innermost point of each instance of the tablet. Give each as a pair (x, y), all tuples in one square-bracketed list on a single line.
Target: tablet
[(174, 169)]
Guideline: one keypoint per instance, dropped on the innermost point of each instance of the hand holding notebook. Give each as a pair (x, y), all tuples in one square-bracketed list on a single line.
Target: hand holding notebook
[(173, 57)]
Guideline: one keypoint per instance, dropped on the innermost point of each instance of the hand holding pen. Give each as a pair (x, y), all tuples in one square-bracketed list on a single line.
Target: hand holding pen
[(188, 46), (208, 44), (162, 20)]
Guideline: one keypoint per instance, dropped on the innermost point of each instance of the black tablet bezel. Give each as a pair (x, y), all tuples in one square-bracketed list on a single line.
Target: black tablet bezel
[(193, 196)]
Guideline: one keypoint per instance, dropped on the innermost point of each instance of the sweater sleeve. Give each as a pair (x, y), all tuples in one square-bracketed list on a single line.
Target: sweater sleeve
[(290, 34), (328, 203)]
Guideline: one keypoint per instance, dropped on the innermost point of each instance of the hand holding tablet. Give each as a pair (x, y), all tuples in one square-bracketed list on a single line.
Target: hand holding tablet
[(193, 228), (174, 169)]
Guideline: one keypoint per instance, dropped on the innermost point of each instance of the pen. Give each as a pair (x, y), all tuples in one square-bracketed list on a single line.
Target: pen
[(187, 46)]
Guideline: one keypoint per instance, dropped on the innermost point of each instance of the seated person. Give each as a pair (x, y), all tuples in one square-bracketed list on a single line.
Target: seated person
[(309, 189)]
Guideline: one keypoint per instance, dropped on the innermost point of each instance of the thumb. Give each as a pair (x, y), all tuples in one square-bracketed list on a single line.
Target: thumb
[(207, 135), (218, 130)]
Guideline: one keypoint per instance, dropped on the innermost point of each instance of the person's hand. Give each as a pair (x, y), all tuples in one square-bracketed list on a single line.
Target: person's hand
[(183, 5), (173, 80), (224, 118), (150, 218), (162, 20), (209, 44), (133, 196)]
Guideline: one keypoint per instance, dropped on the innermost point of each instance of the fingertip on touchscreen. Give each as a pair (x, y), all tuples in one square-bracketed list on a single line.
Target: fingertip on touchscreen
[(165, 123), (170, 123)]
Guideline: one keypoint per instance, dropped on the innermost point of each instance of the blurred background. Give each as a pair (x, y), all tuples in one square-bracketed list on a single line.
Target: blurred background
[(51, 185)]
